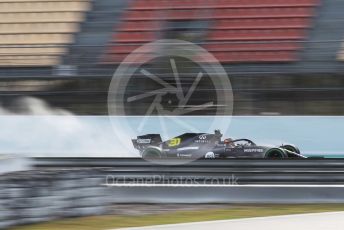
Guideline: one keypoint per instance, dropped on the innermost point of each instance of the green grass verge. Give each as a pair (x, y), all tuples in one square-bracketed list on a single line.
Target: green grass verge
[(232, 212)]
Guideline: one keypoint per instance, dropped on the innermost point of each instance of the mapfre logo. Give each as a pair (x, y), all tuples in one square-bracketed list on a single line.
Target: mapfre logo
[(253, 150)]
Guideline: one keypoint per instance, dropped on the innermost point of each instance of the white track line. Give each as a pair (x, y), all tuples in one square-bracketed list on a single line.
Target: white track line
[(298, 221)]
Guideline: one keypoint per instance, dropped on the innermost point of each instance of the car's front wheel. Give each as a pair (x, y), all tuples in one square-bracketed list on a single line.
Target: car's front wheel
[(275, 153)]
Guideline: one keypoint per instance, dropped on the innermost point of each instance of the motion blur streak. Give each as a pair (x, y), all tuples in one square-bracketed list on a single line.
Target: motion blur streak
[(49, 134), (32, 106)]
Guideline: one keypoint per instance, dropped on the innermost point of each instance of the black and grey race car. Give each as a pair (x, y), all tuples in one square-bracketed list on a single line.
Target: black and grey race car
[(205, 145)]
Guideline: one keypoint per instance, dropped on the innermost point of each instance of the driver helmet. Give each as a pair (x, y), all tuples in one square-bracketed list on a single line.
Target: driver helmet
[(229, 141)]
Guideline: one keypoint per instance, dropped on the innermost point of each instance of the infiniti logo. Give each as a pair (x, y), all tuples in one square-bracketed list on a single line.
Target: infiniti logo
[(202, 137)]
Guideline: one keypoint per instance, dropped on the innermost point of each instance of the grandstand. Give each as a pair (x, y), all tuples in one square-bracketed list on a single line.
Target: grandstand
[(238, 31), (252, 37), (37, 33), (283, 56)]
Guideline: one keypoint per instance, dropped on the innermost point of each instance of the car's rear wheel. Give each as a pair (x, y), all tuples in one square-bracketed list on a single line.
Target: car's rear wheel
[(275, 153), (151, 153)]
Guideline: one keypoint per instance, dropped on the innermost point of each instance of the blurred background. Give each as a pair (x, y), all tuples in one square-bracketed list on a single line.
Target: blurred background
[(57, 57), (283, 57)]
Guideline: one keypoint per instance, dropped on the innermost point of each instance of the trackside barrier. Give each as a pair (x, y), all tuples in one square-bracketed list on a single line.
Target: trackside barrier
[(38, 196)]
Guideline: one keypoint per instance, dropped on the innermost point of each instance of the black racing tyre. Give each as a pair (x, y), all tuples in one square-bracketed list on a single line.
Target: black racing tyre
[(275, 153), (291, 148), (151, 153)]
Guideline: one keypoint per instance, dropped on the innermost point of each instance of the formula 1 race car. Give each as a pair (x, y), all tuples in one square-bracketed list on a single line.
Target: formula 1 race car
[(204, 145)]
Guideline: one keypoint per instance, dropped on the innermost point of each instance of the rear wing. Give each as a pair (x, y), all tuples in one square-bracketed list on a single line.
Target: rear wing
[(146, 140)]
